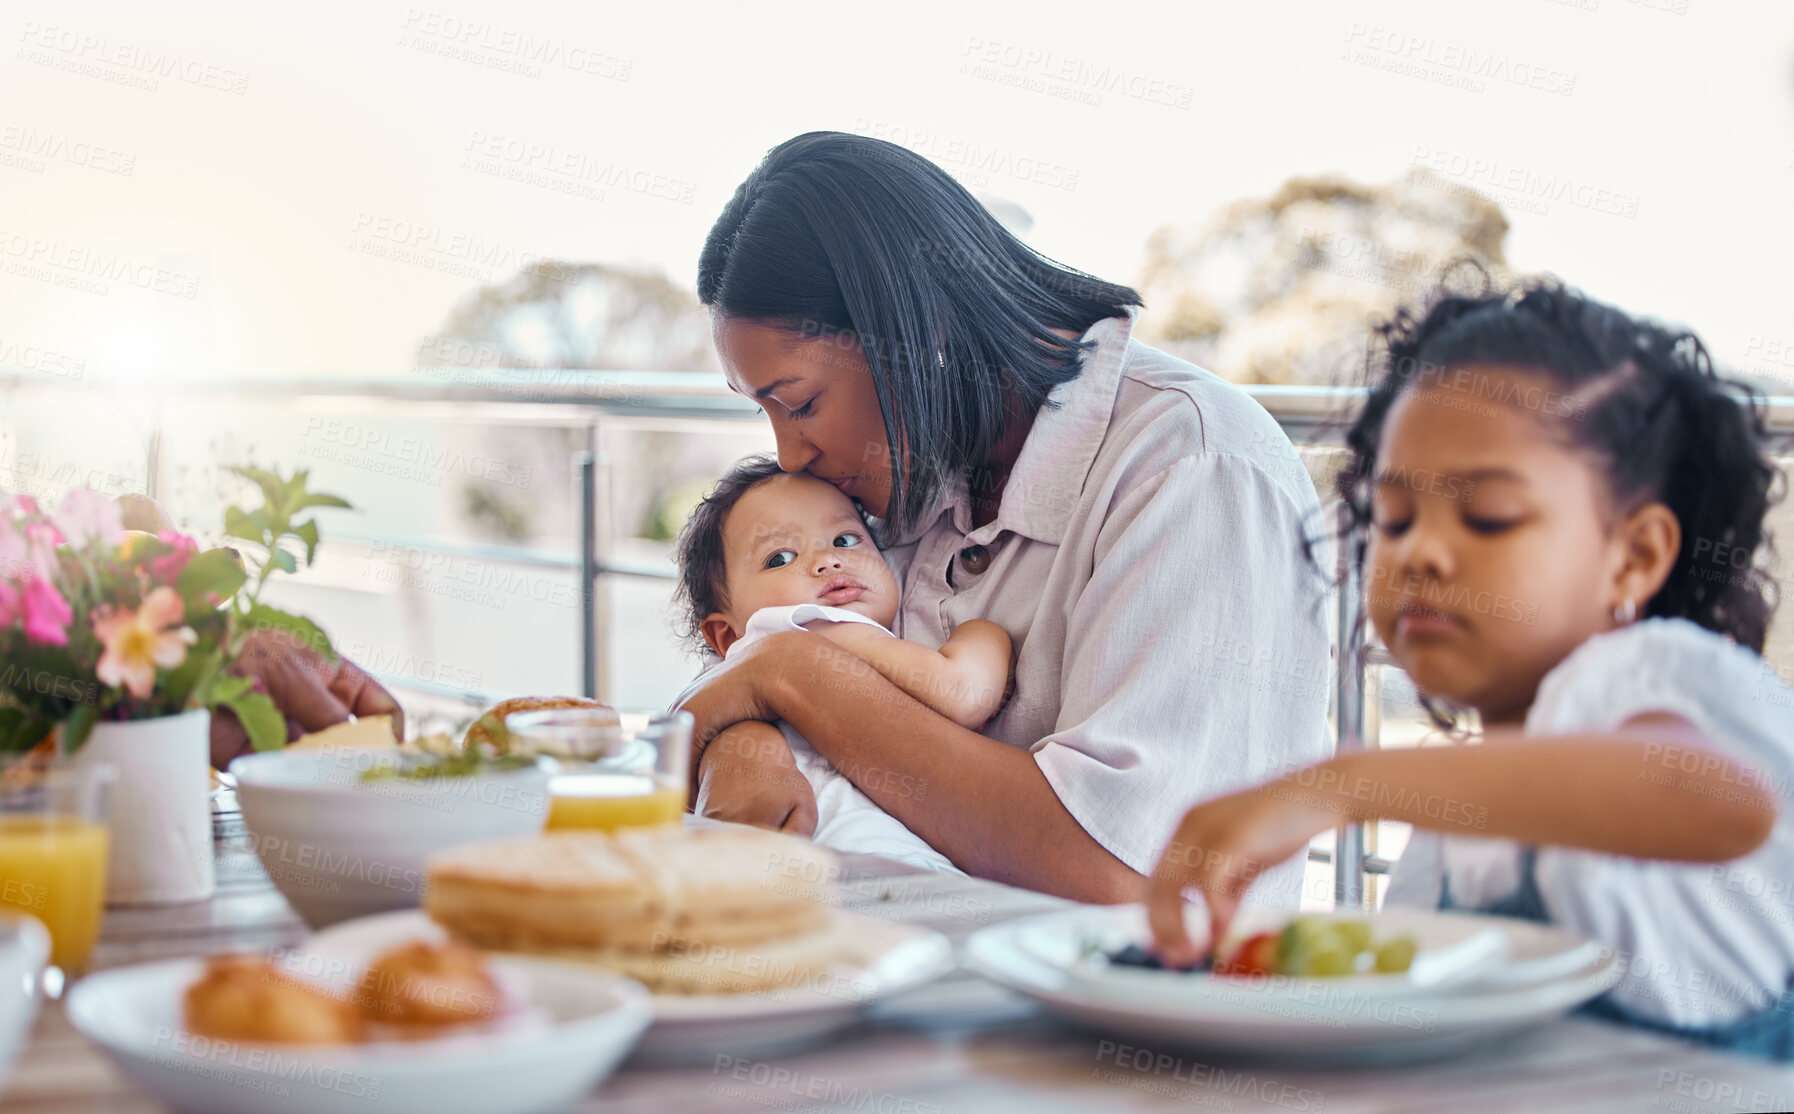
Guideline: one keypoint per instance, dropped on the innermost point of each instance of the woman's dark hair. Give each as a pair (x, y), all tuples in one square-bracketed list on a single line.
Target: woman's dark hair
[(866, 243), (703, 580), (1641, 400)]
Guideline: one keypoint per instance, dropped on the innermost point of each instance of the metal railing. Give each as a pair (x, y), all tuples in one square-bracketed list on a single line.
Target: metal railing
[(601, 403)]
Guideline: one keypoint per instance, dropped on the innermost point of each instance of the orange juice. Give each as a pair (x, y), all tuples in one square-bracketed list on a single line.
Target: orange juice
[(54, 867), (612, 801)]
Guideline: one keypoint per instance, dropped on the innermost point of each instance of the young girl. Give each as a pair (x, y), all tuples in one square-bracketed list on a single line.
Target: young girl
[(770, 551), (1565, 508)]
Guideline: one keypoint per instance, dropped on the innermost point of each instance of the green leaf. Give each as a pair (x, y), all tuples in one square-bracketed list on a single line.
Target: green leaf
[(312, 499), (251, 527), (78, 726), (20, 730), (185, 683), (302, 630), (274, 489), (215, 572), (261, 720), (307, 532), (283, 561)]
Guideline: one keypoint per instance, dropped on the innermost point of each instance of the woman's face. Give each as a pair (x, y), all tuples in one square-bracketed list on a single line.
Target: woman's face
[(818, 394)]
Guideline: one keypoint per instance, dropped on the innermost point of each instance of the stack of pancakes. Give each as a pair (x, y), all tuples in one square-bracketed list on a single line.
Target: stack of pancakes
[(713, 910)]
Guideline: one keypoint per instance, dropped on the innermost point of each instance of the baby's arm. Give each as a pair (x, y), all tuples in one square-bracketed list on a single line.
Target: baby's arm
[(964, 680)]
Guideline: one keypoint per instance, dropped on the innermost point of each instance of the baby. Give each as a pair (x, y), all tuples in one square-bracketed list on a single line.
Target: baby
[(771, 551)]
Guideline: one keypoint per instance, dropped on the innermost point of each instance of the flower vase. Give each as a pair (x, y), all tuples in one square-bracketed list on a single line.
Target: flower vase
[(161, 808)]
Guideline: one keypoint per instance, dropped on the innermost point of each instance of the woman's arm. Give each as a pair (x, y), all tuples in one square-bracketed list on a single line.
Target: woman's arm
[(984, 804), (1653, 789), (964, 680)]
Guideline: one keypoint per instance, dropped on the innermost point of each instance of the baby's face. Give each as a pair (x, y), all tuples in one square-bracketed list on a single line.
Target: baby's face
[(795, 539)]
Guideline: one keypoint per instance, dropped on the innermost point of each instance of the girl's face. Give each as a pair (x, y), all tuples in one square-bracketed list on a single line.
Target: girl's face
[(794, 539), (818, 394), (1495, 549)]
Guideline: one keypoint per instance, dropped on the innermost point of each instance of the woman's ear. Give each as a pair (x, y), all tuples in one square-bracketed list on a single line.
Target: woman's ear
[(718, 634), (1650, 538)]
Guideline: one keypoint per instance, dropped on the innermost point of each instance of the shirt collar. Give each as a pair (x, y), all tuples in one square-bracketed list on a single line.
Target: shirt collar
[(1043, 486)]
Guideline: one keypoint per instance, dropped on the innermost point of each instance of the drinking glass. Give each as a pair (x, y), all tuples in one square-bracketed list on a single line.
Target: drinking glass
[(53, 844), (616, 770)]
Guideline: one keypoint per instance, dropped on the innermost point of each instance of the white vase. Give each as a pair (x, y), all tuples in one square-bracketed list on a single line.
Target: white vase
[(160, 812)]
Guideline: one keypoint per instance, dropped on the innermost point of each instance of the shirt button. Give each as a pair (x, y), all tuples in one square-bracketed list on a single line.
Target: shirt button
[(974, 559)]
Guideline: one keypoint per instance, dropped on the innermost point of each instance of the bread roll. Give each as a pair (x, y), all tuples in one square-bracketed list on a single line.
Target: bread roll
[(490, 727)]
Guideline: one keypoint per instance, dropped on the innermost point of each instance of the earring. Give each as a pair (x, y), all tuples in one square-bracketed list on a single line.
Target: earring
[(1627, 612)]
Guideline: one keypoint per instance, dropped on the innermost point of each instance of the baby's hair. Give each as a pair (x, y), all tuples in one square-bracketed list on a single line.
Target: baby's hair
[(703, 578), (1642, 401)]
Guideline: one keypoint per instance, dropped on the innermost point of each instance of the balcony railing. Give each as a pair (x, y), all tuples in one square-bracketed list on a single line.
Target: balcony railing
[(604, 404)]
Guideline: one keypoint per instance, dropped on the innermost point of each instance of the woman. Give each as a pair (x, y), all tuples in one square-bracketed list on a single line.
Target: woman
[(1137, 525)]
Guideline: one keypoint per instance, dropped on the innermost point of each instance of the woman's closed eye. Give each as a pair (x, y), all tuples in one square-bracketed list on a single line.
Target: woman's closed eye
[(806, 409)]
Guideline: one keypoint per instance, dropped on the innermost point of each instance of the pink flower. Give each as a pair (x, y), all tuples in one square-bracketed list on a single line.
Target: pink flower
[(138, 641), (47, 614), (167, 568), (15, 557), (27, 504), (9, 604), (41, 539), (85, 516)]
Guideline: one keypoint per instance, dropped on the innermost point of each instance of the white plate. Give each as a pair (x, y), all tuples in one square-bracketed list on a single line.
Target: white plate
[(891, 958), (1364, 1019), (579, 1027)]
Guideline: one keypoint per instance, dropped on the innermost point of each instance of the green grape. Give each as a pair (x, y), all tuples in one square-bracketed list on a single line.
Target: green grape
[(1354, 936), (1328, 962), (1394, 956)]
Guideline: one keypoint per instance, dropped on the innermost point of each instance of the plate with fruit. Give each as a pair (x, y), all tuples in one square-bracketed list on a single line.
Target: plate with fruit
[(1402, 984)]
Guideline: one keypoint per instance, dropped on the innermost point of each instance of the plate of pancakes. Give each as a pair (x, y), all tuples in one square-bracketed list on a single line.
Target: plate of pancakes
[(736, 932)]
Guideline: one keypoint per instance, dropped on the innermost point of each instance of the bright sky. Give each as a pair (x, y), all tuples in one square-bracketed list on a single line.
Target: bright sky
[(304, 184)]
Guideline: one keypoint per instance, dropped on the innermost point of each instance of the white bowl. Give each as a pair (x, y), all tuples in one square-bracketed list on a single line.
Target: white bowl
[(587, 1022), (338, 847), (24, 949)]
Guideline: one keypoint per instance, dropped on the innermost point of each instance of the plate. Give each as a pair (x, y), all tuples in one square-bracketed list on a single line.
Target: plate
[(891, 958), (1374, 1019), (580, 1026)]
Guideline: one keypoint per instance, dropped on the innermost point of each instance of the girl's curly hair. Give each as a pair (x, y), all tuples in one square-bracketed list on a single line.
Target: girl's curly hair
[(1643, 401)]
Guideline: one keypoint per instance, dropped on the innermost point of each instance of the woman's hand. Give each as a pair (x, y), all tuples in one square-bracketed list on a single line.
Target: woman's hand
[(748, 776), (742, 688), (310, 691), (1221, 848)]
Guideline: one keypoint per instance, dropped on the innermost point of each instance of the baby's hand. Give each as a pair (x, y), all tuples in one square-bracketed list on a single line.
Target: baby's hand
[(1222, 847), (747, 776)]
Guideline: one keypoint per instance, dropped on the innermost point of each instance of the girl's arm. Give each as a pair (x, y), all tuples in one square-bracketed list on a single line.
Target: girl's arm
[(1653, 789), (964, 680), (985, 805)]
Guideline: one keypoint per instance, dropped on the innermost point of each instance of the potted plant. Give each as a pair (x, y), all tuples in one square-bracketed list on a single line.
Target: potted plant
[(119, 644)]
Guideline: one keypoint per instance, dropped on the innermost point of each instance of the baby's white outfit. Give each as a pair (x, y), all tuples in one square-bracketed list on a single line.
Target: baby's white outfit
[(846, 819), (1705, 944)]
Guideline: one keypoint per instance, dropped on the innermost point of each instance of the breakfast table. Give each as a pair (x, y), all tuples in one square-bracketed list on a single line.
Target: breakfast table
[(960, 1044)]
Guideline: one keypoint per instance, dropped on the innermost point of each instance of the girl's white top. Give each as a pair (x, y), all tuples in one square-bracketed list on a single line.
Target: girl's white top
[(1705, 943), (846, 819)]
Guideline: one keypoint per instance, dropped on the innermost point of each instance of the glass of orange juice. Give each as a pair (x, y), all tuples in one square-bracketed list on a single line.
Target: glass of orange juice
[(53, 843), (616, 770)]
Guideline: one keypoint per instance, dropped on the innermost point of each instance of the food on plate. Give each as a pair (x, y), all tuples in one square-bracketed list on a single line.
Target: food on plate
[(423, 767), (415, 990), (490, 730), (422, 986), (1308, 947), (248, 999), (368, 731), (713, 910)]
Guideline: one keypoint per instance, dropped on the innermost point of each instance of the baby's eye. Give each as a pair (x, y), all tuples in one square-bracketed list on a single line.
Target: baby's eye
[(781, 558), (847, 541), (1482, 525)]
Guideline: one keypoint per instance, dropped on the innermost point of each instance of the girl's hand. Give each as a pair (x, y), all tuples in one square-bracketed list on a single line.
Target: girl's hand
[(1222, 847)]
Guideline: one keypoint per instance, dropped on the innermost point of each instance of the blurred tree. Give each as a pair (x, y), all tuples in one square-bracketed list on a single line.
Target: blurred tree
[(556, 318), (1283, 289)]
